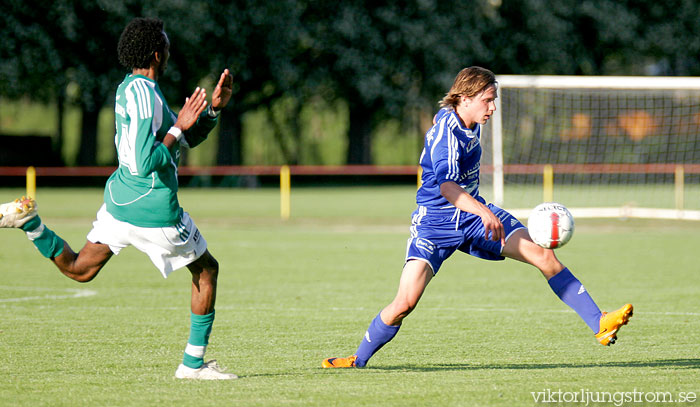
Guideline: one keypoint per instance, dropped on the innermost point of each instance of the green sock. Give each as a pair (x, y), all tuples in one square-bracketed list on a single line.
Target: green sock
[(200, 329), (32, 224), (45, 240)]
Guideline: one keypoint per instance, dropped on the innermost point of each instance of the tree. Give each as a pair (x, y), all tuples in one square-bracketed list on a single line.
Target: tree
[(596, 37), (388, 58), (51, 44), (30, 64), (245, 36), (670, 39), (89, 52)]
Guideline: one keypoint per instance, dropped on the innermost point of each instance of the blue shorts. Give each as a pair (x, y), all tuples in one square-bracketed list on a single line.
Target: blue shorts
[(437, 233)]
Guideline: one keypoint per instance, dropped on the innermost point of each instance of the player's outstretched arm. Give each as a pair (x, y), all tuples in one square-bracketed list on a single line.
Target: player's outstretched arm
[(207, 121), (223, 91), (193, 107)]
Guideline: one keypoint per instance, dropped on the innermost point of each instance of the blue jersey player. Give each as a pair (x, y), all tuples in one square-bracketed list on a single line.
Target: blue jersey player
[(452, 216)]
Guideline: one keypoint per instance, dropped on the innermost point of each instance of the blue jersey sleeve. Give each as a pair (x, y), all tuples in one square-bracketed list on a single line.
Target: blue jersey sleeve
[(444, 154)]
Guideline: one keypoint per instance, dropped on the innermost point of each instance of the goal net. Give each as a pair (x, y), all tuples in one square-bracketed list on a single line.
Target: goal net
[(602, 146)]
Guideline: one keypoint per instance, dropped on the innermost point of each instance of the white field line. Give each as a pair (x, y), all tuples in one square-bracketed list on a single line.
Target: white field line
[(72, 293)]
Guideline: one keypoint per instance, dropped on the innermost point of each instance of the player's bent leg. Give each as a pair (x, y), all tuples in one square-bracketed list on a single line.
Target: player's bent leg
[(567, 287), (205, 272), (84, 265), (520, 247), (564, 284), (415, 277)]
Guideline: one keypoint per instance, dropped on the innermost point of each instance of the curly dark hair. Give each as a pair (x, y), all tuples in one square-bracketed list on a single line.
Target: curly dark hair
[(141, 38)]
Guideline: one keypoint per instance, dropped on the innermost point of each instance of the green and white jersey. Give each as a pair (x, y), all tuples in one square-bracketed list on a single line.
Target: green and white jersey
[(143, 189)]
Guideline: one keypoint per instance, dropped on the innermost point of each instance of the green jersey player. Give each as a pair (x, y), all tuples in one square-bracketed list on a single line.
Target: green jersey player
[(140, 207)]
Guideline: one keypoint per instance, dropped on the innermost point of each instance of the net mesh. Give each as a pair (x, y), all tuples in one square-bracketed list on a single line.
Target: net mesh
[(607, 147)]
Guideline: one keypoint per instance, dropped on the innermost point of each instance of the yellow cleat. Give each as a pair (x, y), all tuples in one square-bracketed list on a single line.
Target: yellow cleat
[(18, 212), (340, 362), (611, 322)]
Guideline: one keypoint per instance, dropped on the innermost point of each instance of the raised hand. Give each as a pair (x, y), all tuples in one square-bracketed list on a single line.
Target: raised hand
[(222, 92), (193, 107)]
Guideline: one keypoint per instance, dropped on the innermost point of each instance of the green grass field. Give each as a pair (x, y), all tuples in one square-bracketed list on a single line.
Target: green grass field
[(292, 293)]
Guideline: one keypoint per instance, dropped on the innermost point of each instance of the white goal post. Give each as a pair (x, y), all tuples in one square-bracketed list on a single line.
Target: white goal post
[(605, 146)]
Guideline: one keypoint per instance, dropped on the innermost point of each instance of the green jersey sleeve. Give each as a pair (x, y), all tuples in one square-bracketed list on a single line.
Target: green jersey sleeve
[(199, 132), (138, 147)]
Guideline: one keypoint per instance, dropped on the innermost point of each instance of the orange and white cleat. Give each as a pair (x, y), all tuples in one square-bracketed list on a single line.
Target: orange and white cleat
[(18, 212), (611, 322), (340, 362)]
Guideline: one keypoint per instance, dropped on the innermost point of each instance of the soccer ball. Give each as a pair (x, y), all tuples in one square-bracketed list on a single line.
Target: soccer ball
[(550, 225)]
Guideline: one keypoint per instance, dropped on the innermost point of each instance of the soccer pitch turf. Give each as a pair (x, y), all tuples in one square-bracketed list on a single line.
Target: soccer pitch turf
[(292, 293)]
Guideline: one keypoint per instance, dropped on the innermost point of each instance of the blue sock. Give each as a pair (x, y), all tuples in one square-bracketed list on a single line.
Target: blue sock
[(571, 291), (377, 335)]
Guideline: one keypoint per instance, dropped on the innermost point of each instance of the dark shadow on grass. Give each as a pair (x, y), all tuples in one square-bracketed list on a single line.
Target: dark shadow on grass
[(252, 376), (444, 367), (666, 363)]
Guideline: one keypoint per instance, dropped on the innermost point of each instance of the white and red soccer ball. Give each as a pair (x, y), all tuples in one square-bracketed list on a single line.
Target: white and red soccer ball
[(550, 225)]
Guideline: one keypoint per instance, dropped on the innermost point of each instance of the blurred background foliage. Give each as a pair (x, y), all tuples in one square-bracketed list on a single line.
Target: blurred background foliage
[(316, 82)]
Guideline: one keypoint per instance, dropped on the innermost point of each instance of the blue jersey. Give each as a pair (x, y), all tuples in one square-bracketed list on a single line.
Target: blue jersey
[(451, 152)]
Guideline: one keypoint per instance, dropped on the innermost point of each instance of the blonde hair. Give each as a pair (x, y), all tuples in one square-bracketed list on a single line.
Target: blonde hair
[(469, 82)]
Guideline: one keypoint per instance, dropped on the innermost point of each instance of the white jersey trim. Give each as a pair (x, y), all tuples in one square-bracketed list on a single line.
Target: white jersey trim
[(111, 196), (143, 97)]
